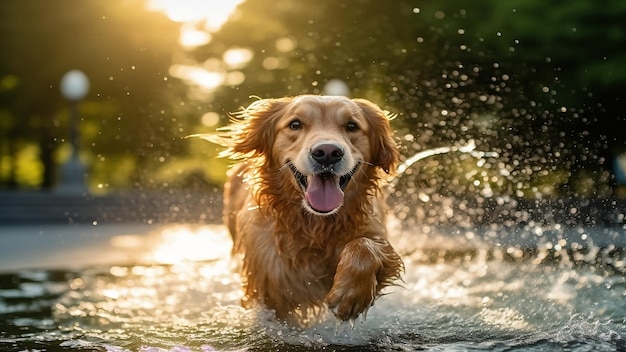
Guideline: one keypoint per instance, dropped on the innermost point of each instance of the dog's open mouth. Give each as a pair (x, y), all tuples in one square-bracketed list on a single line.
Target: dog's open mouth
[(323, 191)]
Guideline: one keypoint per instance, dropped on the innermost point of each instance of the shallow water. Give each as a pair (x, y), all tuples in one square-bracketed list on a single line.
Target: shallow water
[(180, 299)]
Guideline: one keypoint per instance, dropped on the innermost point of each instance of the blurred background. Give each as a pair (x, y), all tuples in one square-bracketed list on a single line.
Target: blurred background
[(97, 98), (539, 83)]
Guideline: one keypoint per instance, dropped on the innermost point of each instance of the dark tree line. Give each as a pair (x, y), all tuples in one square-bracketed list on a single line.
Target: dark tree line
[(538, 82), (125, 52)]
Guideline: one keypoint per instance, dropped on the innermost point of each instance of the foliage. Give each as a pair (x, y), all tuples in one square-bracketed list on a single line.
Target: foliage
[(515, 77), (132, 111), (538, 82)]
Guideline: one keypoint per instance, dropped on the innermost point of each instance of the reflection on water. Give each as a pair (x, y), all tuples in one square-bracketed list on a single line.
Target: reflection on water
[(177, 244), (187, 299)]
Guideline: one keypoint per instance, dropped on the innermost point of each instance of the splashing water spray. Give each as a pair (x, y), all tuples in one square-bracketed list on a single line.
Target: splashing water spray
[(469, 148)]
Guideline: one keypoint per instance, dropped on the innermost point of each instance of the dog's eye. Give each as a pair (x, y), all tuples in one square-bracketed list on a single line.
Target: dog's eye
[(352, 126), (295, 125)]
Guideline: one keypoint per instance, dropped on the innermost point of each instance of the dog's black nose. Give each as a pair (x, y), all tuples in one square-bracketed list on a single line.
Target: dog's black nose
[(327, 153)]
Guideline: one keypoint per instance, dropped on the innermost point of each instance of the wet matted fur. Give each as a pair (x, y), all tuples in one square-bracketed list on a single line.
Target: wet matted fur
[(304, 205)]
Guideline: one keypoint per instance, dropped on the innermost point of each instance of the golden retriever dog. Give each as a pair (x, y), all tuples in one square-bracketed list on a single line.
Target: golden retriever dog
[(304, 205)]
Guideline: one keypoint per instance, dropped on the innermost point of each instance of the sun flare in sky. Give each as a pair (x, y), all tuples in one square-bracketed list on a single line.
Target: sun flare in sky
[(199, 17)]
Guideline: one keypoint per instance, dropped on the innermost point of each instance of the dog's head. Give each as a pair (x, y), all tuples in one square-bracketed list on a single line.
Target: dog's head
[(322, 142)]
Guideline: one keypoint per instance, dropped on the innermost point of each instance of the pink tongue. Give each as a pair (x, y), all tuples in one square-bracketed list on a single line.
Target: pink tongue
[(323, 194)]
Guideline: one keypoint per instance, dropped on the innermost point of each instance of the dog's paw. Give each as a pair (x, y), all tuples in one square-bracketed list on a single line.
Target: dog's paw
[(349, 299)]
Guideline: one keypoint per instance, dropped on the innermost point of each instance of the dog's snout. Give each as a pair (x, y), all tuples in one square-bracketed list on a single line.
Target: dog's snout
[(327, 153)]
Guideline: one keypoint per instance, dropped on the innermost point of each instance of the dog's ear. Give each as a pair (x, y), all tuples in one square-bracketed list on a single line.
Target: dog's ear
[(251, 132), (385, 153)]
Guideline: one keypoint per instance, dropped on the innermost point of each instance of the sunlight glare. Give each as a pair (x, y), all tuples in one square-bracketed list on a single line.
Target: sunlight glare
[(209, 14), (506, 318), (237, 58), (190, 37), (210, 119), (172, 244), (181, 244), (197, 75), (213, 12)]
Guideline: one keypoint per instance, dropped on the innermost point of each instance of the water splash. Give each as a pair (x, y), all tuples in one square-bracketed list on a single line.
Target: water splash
[(479, 298), (469, 148)]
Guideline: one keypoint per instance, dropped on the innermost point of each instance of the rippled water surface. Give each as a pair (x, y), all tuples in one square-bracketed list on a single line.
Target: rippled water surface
[(182, 299)]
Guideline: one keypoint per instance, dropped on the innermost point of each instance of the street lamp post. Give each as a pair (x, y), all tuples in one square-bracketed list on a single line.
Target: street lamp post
[(74, 87)]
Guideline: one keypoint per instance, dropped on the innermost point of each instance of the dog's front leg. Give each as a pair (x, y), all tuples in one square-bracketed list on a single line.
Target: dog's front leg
[(365, 267)]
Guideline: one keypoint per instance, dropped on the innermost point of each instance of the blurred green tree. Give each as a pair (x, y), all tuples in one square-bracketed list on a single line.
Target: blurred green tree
[(568, 60), (539, 82), (132, 112)]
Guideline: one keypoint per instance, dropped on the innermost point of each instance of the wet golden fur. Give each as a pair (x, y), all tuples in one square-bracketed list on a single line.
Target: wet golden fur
[(295, 261)]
